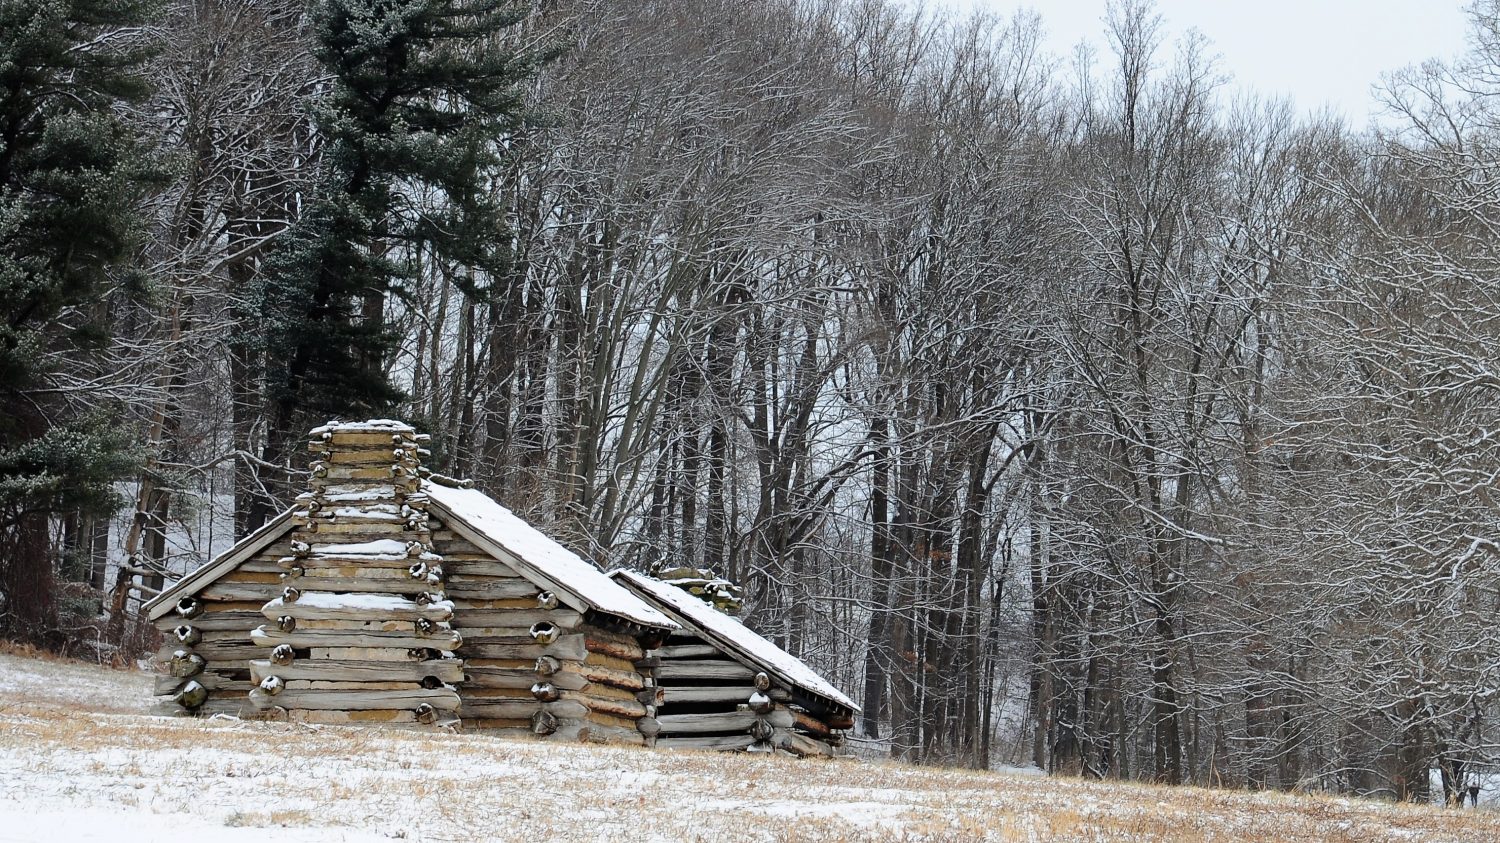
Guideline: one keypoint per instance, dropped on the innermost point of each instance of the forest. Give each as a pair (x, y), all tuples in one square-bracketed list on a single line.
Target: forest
[(1071, 411)]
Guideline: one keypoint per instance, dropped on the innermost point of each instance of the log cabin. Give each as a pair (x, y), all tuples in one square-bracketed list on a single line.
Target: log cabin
[(722, 686), (387, 597), (391, 596)]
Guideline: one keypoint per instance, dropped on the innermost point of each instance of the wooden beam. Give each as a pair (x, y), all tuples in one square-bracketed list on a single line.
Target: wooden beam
[(439, 698), (719, 742), (441, 639), (718, 669), (446, 670)]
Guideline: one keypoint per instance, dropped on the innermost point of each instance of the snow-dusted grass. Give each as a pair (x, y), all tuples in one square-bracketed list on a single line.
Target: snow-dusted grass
[(81, 763)]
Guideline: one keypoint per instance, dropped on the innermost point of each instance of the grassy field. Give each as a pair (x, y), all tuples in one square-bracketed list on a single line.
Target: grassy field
[(82, 762)]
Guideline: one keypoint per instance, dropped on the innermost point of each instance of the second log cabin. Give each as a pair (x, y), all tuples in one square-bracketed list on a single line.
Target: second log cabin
[(722, 686)]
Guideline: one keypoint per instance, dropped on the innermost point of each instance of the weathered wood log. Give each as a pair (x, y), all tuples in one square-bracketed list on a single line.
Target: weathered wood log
[(477, 708), (546, 600), (480, 594), (704, 670), (218, 651), (441, 699), (725, 693), (272, 685), (445, 670), (762, 682), (687, 651), (441, 639), (167, 685), (548, 665), (188, 607), (561, 619), (216, 621), (628, 680), (648, 726), (187, 634), (629, 652), (566, 709), (227, 592), (760, 703), (283, 655), (286, 623), (717, 742), (626, 708), (761, 730), (544, 632), (802, 745), (568, 647), (839, 721), (461, 567), (546, 692), (493, 677), (706, 722), (651, 697), (321, 606), (806, 721)]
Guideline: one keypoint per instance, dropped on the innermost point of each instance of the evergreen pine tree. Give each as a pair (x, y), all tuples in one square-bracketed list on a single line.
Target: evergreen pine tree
[(423, 95), (71, 173)]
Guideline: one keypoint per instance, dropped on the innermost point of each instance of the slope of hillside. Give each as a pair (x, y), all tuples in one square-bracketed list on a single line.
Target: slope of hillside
[(83, 762)]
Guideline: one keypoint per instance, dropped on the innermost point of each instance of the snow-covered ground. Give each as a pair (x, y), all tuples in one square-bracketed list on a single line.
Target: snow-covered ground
[(80, 761)]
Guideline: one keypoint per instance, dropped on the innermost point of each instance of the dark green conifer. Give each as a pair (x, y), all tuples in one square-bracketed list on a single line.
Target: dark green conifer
[(71, 174), (423, 97)]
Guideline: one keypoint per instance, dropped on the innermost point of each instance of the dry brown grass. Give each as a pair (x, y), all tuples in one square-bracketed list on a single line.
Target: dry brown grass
[(439, 787)]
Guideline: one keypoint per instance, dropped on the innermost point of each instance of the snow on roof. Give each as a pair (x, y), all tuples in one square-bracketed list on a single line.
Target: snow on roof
[(729, 632), (539, 555)]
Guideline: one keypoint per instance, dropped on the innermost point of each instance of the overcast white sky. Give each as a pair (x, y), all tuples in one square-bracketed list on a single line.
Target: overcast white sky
[(1315, 51)]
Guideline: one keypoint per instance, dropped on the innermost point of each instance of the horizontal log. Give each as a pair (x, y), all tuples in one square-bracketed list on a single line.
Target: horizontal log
[(686, 651), (629, 709), (569, 647), (217, 621), (585, 731), (486, 709), (219, 592), (561, 618), (362, 654), (212, 681), (441, 699), (802, 745), (480, 589), (713, 693), (716, 742), (598, 674), (223, 651), (322, 606), (806, 721), (628, 652), (309, 684), (441, 639), (460, 568), (499, 727), (352, 718), (316, 581), (713, 721), (518, 679), (446, 670), (703, 669)]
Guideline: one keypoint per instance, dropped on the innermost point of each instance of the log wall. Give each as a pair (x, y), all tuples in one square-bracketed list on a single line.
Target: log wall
[(532, 665), (709, 700)]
